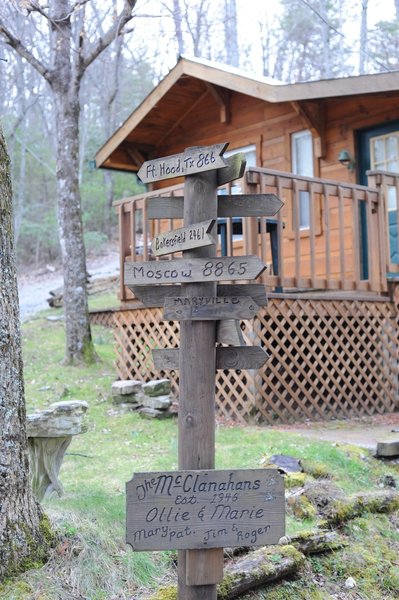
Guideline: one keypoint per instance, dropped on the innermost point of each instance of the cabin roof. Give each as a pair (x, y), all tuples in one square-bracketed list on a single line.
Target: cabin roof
[(190, 80)]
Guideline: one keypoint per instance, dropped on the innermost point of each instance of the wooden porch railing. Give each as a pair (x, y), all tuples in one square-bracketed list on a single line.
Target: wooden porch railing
[(344, 246)]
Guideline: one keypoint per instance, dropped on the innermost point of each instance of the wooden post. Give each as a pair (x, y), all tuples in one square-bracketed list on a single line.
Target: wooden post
[(197, 393)]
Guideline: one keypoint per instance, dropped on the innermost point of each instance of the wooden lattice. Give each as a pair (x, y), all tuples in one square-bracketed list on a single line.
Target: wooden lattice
[(328, 359)]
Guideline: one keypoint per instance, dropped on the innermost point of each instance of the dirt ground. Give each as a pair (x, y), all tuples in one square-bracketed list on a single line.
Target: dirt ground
[(364, 432)]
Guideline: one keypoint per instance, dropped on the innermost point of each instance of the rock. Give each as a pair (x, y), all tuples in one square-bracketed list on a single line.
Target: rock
[(286, 463), (157, 387), (157, 402), (60, 419), (135, 400), (152, 413), (388, 448), (127, 387), (350, 583)]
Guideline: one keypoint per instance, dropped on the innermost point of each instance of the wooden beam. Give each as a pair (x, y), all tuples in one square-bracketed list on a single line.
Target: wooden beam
[(222, 97), (313, 114)]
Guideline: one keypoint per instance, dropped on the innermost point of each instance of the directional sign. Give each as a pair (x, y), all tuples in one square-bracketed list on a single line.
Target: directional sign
[(203, 308), (235, 169), (155, 295), (191, 161), (204, 509), (185, 238), (189, 270), (235, 358), (235, 205)]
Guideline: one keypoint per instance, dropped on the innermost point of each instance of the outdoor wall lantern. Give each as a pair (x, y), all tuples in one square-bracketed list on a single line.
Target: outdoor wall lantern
[(346, 159)]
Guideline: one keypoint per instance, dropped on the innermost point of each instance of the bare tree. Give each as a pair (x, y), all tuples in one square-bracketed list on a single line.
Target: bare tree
[(21, 520), (70, 53), (363, 39), (230, 33)]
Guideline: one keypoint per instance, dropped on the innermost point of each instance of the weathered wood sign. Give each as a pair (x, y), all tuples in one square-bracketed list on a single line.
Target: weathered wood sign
[(185, 238), (235, 169), (205, 509), (242, 357), (191, 161), (189, 270), (236, 205), (154, 296), (209, 308)]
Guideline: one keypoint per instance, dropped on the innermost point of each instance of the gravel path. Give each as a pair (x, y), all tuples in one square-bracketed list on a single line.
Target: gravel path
[(34, 288)]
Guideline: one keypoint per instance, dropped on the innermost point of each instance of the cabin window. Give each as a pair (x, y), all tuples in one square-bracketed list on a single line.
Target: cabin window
[(302, 164), (236, 223), (384, 156)]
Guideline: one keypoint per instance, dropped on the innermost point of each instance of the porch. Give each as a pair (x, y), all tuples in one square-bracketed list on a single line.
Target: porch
[(330, 326)]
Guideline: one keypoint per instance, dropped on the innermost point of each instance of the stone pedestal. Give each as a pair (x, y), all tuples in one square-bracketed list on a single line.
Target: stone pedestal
[(49, 434)]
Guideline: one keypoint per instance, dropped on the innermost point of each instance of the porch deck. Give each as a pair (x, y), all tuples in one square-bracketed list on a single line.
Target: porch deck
[(331, 332)]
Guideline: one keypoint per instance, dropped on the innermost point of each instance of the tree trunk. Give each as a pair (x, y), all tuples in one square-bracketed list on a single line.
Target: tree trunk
[(79, 346), (22, 539), (65, 86)]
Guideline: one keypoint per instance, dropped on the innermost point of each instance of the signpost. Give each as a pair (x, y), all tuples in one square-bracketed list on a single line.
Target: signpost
[(209, 308), (198, 510), (205, 509), (186, 270), (185, 238)]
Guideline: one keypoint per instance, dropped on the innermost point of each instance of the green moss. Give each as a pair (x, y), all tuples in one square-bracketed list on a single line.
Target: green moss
[(294, 479), (301, 507), (165, 593), (224, 587), (316, 469)]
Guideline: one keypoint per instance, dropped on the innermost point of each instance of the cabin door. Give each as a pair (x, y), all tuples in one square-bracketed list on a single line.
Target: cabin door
[(378, 149)]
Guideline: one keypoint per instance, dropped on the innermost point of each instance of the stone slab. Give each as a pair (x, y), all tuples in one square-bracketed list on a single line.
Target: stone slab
[(152, 413), (157, 402), (388, 448), (61, 419), (157, 387), (126, 387)]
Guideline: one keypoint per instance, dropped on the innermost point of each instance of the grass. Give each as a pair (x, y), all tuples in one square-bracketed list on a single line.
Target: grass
[(91, 560)]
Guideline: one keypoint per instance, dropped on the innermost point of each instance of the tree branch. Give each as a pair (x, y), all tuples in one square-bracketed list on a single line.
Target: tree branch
[(14, 42), (122, 19)]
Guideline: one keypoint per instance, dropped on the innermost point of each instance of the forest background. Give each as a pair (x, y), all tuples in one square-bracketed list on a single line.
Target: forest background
[(287, 40)]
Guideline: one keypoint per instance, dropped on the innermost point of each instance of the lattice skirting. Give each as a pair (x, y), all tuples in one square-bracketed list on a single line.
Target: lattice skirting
[(328, 359)]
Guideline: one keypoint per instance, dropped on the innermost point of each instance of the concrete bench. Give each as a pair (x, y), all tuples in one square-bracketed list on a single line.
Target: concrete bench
[(49, 434)]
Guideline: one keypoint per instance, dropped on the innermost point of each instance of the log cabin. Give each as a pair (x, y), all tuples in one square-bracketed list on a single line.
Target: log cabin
[(330, 151)]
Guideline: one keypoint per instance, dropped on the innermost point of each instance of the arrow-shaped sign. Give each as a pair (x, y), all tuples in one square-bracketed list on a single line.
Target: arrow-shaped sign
[(184, 238), (189, 270), (191, 161), (207, 308), (235, 205), (154, 296), (242, 357)]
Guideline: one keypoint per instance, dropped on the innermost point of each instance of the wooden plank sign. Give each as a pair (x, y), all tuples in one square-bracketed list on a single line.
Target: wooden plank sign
[(230, 205), (189, 270), (235, 358), (191, 161), (205, 509), (154, 296), (184, 238), (209, 308)]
